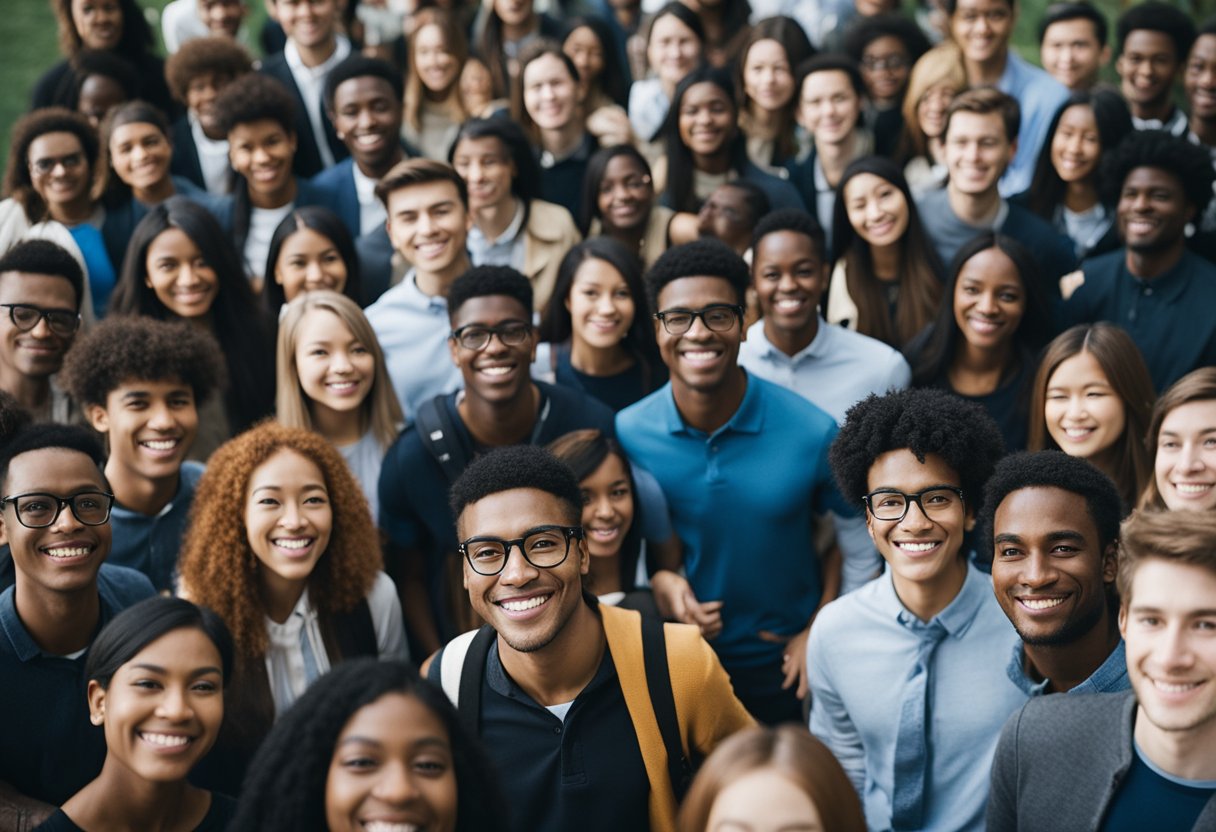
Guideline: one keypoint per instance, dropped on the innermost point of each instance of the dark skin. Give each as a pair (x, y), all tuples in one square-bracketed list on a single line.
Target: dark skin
[(1157, 197)]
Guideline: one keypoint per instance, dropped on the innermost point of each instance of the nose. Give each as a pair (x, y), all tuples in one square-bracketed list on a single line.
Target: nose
[(292, 517), (915, 518), (786, 283), (313, 273), (873, 210), (1172, 649), (42, 329), (159, 417), (517, 571), (1191, 458), (425, 224), (66, 521), (1076, 406), (394, 784), (987, 304), (602, 508), (340, 362), (1038, 571), (174, 705), (260, 155), (364, 118), (604, 302)]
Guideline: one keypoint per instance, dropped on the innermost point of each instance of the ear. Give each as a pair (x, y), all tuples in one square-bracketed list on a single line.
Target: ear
[(969, 520), (1110, 562), (454, 351), (1104, 56), (1123, 617), (293, 141), (584, 557), (98, 417), (97, 702)]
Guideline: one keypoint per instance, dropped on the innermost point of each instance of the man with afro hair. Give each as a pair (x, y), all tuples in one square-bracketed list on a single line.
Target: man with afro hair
[(1154, 287), (141, 383), (1051, 524), (908, 674), (743, 465)]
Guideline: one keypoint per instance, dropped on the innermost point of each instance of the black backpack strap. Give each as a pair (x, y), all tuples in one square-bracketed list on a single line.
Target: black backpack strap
[(351, 632), (438, 432), (471, 676), (658, 680)]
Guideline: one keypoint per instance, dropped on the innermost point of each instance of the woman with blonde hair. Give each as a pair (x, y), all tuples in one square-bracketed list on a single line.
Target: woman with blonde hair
[(1182, 442), (282, 546), (332, 380), (936, 78), (434, 106)]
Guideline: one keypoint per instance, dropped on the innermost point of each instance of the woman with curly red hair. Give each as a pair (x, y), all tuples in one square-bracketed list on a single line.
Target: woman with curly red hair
[(281, 544)]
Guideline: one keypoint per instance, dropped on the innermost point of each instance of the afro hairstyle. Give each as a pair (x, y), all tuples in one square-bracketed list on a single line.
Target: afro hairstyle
[(706, 257), (254, 97), (218, 56), (518, 466), (484, 281), (795, 220), (1155, 16), (1190, 163)]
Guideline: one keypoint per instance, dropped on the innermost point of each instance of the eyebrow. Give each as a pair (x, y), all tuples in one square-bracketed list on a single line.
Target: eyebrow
[(155, 668), (1202, 613), (306, 487), (438, 742)]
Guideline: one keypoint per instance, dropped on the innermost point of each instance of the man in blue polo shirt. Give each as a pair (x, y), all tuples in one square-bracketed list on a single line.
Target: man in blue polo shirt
[(55, 515), (743, 464)]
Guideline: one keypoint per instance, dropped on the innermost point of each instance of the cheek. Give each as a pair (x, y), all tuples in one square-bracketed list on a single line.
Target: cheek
[(343, 794)]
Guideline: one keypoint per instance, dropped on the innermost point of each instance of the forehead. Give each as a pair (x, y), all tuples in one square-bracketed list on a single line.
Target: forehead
[(696, 291), (1076, 28), (1152, 177), (884, 44), (490, 310), (1038, 511), (826, 81), (623, 165), (1169, 585), (785, 244), (704, 92), (46, 290), (901, 470), (511, 513), (1205, 47), (981, 5), (258, 130), (55, 143), (990, 267), (1148, 40), (670, 26), (53, 470), (966, 123), (482, 146), (547, 66), (422, 196), (362, 87)]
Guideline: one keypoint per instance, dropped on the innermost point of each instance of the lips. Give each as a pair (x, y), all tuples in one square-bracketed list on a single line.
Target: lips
[(390, 826), (984, 326), (701, 358), (166, 742), (604, 534), (161, 447), (343, 387), (524, 606), (431, 249), (69, 553), (1038, 604), (293, 548), (917, 549)]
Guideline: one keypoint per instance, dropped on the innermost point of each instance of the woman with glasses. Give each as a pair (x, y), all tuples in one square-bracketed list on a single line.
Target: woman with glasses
[(281, 544), (619, 203), (936, 78), (885, 47)]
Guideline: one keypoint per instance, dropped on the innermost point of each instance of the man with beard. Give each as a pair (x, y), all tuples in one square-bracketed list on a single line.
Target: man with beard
[(1154, 287), (1053, 526)]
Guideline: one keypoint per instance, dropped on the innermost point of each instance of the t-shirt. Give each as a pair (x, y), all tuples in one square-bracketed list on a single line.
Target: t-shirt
[(262, 223), (1149, 798), (222, 810), (150, 544)]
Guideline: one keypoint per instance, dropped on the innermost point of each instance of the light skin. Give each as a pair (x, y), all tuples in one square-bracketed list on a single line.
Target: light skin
[(428, 225), (551, 99), (98, 22), (180, 276), (828, 109), (486, 165), (1085, 415), (982, 29), (517, 16), (768, 78), (878, 211), (367, 117), (1076, 149), (1052, 575), (1199, 81), (763, 800), (392, 764), (1185, 463), (607, 517), (585, 49), (262, 151), (790, 277), (989, 302), (978, 151), (309, 261), (673, 51), (336, 372), (140, 154), (601, 310), (1152, 214), (1071, 53), (1147, 67), (310, 24), (29, 359), (1169, 629), (706, 122), (64, 187), (222, 17), (434, 62)]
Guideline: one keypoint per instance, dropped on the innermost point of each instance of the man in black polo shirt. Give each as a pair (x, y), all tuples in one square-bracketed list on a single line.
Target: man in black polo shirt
[(55, 516), (493, 344), (1155, 288)]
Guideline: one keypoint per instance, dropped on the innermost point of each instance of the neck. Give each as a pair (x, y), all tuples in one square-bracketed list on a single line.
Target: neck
[(340, 427), (925, 599), (381, 168), (494, 424), (146, 805), (1185, 753), (937, 150), (1067, 665), (596, 361), (312, 56), (1081, 195), (156, 194), (1204, 129), (631, 238), (279, 595), (764, 122), (494, 219), (712, 163), (72, 213), (276, 198), (139, 493), (1160, 110), (59, 622), (562, 141), (1147, 265), (975, 209), (31, 392), (986, 73), (885, 260), (436, 284), (708, 410), (512, 32), (835, 157), (605, 574), (976, 371), (791, 341), (559, 671)]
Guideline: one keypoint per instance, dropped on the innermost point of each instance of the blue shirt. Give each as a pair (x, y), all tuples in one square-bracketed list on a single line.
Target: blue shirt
[(100, 271), (1110, 677), (150, 544), (1039, 96), (743, 501), (862, 649)]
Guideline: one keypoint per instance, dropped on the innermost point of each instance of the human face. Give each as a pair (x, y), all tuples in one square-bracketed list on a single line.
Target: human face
[(1185, 465), (700, 359), (725, 215), (392, 768), (526, 605), (768, 78), (63, 557), (310, 23), (1169, 633), (1085, 416), (140, 154), (428, 224), (885, 66), (673, 50), (222, 17), (486, 166), (1071, 53), (497, 372), (830, 107), (982, 28), (1049, 570), (706, 119), (163, 708), (585, 49), (1076, 146), (763, 800), (38, 352), (921, 548), (201, 93), (550, 93), (931, 109), (607, 507), (600, 304), (626, 194), (179, 274), (367, 117), (476, 86), (149, 425), (989, 300), (66, 184), (1153, 210), (98, 22), (336, 369), (437, 67), (1147, 68), (977, 152), (789, 276), (1200, 79), (288, 518), (877, 210), (307, 262), (98, 95), (513, 12), (262, 152)]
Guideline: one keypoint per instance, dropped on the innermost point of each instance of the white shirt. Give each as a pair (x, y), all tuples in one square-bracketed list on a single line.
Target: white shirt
[(262, 223), (212, 158), (365, 457), (371, 210), (507, 249), (311, 81)]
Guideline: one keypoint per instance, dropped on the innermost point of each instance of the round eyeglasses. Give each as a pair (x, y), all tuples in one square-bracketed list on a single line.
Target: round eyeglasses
[(544, 547), (476, 337), (38, 510), (718, 317), (889, 504)]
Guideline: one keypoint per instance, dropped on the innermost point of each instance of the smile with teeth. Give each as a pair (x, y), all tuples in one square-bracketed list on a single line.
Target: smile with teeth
[(1078, 433), (165, 740), (293, 543), (700, 356), (789, 304), (1040, 603), (1192, 487), (915, 547), (1174, 687), (388, 826), (369, 140), (604, 534), (496, 371), (525, 604), (344, 386), (67, 552), (160, 444), (983, 325), (432, 249)]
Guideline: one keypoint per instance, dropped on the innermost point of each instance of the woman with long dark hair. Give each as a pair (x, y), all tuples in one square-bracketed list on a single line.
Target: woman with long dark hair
[(774, 49), (502, 30), (434, 108), (619, 202), (310, 250)]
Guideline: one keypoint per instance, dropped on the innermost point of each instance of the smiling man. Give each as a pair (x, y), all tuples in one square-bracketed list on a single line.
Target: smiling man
[(55, 516), (1072, 43), (1143, 759), (1052, 526), (1154, 287), (1153, 39), (558, 687)]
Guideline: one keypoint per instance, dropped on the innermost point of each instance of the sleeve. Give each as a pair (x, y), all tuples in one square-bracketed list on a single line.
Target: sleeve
[(1002, 795), (861, 560), (830, 720), (652, 506), (705, 700), (397, 515), (899, 375), (386, 619)]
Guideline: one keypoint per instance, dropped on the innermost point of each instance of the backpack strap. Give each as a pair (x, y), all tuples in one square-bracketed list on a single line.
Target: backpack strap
[(658, 681), (439, 436), (461, 670), (355, 632)]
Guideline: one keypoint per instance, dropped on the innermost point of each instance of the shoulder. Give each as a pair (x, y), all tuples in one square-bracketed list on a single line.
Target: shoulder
[(1104, 267), (383, 593), (1073, 720), (334, 176), (573, 409), (192, 472), (641, 415), (785, 404), (121, 587), (275, 64), (549, 221), (861, 349), (844, 615)]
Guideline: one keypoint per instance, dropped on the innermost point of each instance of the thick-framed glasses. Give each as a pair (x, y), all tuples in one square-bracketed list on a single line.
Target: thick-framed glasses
[(476, 337), (46, 164), (878, 64), (25, 317), (718, 317), (37, 510), (544, 547), (889, 504)]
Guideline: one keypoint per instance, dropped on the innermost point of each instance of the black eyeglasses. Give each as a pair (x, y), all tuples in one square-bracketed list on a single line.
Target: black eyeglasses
[(718, 317), (26, 316), (476, 337), (544, 547), (889, 504), (37, 510), (881, 63), (46, 164)]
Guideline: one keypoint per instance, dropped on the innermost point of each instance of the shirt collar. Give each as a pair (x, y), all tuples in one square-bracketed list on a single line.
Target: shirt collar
[(365, 186), (1169, 285), (291, 53), (958, 614), (509, 233), (816, 349), (748, 418), (415, 297)]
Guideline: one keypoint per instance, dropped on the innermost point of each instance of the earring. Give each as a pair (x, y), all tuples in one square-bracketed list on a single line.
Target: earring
[(96, 719)]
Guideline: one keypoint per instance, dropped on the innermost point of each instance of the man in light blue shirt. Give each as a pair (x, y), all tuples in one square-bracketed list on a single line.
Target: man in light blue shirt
[(907, 674)]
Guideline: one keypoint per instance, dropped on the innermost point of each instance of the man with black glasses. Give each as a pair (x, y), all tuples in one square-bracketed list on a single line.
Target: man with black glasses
[(40, 290), (743, 464), (584, 709), (54, 513)]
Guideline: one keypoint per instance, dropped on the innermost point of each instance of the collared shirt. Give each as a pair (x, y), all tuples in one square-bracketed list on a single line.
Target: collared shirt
[(371, 210), (1039, 96), (1176, 125), (507, 249), (862, 649), (150, 543), (212, 158), (311, 81), (1110, 677), (648, 108)]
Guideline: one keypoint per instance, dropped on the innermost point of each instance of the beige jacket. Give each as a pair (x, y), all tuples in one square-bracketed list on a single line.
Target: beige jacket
[(549, 234)]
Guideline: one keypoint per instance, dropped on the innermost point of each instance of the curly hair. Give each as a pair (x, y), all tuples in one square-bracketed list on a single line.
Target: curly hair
[(483, 281), (285, 789), (219, 567), (17, 181), (706, 257), (924, 421), (123, 349), (218, 56), (517, 466), (1189, 163), (1155, 16), (44, 257), (790, 219), (137, 37), (254, 97), (43, 435)]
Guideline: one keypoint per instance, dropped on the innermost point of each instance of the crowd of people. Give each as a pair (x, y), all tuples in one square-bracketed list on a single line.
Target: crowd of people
[(845, 382)]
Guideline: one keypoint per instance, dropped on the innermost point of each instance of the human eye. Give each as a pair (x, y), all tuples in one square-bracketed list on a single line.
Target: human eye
[(1206, 625), (431, 767), (88, 501), (359, 349), (316, 500), (1007, 552), (1010, 297), (146, 684), (318, 352), (205, 686), (621, 493), (1064, 549), (267, 502), (890, 500), (297, 262)]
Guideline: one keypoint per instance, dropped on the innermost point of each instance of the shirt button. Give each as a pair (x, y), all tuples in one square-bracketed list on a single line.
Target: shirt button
[(557, 729), (1148, 290)]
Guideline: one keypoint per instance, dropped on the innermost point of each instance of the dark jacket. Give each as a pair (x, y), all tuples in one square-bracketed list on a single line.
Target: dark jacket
[(308, 157)]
